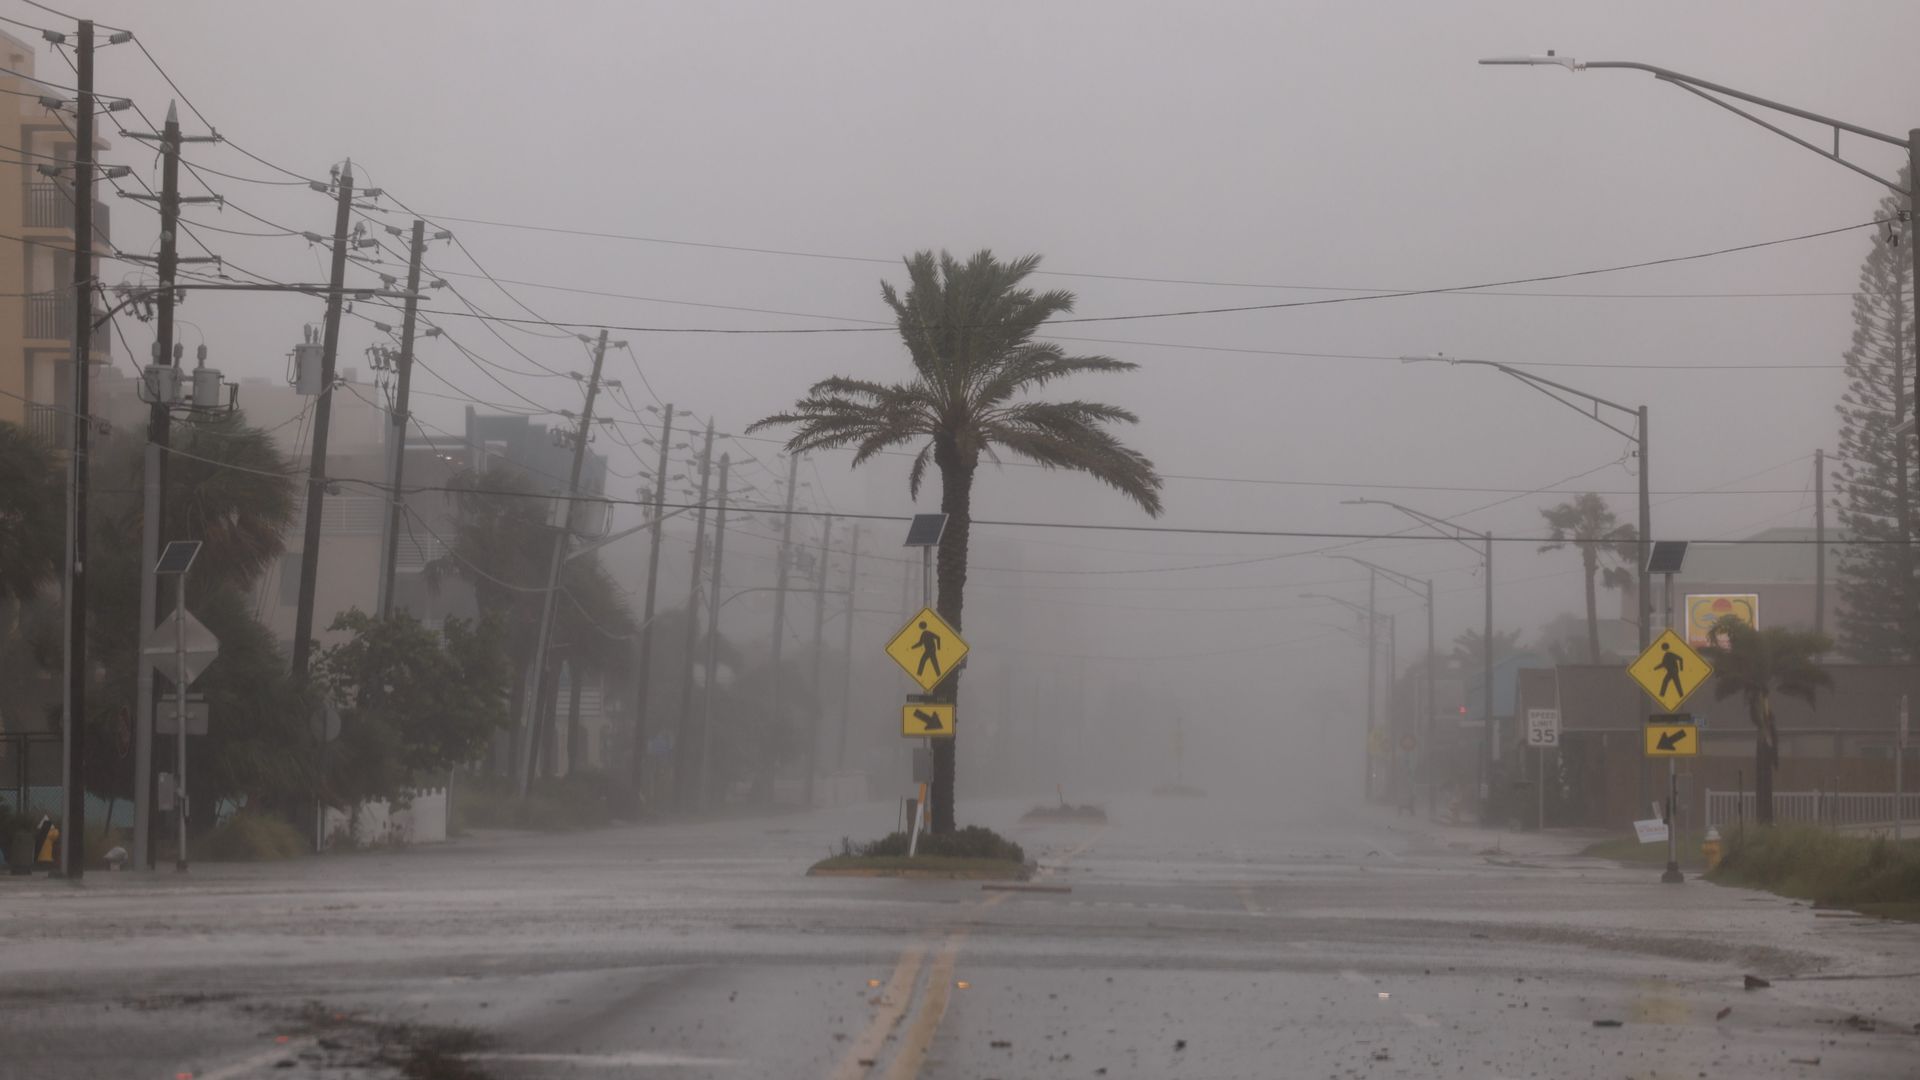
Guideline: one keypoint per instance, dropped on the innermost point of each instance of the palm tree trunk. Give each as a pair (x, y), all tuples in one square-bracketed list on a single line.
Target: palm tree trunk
[(1590, 562), (956, 501), (1766, 754)]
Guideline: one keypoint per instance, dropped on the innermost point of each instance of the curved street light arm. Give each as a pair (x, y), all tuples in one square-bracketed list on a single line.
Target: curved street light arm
[(1413, 585), (1704, 89)]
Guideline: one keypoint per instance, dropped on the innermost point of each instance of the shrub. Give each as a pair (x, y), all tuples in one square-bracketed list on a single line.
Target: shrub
[(1820, 865), (252, 835), (972, 842)]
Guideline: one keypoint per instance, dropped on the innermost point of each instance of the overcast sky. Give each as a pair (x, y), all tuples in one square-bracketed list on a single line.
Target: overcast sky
[(1292, 149)]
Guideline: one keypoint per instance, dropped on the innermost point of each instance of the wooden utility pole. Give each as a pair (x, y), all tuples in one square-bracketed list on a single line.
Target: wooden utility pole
[(713, 640), (162, 392), (846, 660), (73, 859), (684, 775), (543, 673), (643, 669), (322, 416), (397, 437)]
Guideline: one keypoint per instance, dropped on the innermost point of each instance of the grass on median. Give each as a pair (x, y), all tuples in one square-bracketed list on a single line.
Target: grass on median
[(1828, 868), (974, 851), (1628, 849)]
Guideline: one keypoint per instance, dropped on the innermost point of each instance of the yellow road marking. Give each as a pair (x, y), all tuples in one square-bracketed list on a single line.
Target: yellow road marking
[(893, 1005), (926, 1022), (898, 996)]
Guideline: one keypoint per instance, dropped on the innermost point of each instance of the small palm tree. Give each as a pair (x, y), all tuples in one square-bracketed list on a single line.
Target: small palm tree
[(1608, 549), (1756, 664), (969, 331)]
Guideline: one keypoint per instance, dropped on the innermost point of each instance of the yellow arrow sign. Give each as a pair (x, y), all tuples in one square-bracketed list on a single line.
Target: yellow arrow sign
[(1668, 739), (927, 648), (1670, 671), (927, 720)]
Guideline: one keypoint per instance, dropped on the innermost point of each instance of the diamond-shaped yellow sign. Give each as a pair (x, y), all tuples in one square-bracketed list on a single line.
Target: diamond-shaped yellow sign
[(1670, 671), (927, 648)]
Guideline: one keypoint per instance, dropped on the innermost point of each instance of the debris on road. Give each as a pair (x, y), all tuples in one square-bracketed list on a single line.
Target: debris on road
[(1607, 1023), (1755, 982), (1722, 1014)]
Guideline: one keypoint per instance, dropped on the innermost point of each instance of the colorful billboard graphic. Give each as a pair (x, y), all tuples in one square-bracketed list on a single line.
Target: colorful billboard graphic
[(1704, 608)]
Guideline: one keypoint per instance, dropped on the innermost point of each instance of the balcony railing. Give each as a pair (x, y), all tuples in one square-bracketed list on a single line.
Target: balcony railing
[(49, 206), (43, 423), (50, 316)]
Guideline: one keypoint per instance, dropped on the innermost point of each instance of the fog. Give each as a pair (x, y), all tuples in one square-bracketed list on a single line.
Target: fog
[(766, 166)]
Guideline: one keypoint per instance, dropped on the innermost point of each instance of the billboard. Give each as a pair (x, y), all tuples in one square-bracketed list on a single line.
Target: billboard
[(1703, 609)]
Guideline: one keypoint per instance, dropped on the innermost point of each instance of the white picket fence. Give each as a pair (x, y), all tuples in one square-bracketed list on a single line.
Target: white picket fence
[(1834, 809), (377, 823)]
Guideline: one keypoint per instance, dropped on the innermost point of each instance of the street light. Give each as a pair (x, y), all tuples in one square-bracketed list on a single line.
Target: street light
[(1592, 410), (1423, 590), (1716, 93), (1458, 536), (1372, 618)]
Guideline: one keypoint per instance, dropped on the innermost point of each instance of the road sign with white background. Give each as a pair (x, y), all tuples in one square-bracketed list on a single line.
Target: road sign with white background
[(1543, 728), (927, 649)]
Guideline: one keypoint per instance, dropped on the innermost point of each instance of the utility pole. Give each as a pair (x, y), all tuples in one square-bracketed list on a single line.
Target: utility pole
[(322, 416), (1488, 753), (846, 649), (541, 671), (713, 636), (397, 437), (73, 849), (684, 775), (643, 672), (317, 480), (783, 564), (819, 645), (162, 389), (1820, 541), (1373, 679)]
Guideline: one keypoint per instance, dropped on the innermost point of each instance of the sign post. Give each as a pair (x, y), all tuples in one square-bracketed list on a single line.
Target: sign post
[(1670, 671), (1543, 734), (1899, 763), (927, 649), (187, 665)]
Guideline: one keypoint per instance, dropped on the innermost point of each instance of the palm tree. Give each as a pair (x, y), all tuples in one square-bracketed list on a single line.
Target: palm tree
[(1756, 664), (1607, 549), (1469, 650), (969, 331)]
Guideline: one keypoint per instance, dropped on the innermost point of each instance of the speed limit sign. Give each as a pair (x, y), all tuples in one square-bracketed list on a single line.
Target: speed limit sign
[(1543, 728)]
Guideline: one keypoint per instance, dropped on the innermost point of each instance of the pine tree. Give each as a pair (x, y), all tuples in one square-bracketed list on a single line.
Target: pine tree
[(1871, 482)]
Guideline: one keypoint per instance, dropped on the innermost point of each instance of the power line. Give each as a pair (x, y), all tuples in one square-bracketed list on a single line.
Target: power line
[(1192, 312), (1137, 278)]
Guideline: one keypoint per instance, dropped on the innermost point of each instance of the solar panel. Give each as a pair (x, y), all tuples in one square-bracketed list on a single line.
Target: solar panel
[(1667, 556), (178, 557), (926, 530)]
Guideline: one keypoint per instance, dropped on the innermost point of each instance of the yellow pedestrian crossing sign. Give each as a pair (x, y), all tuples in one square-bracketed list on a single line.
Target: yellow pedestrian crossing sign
[(927, 649), (927, 719), (1670, 671)]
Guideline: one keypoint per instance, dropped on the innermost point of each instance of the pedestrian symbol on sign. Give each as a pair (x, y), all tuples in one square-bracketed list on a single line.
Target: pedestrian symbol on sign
[(929, 646)]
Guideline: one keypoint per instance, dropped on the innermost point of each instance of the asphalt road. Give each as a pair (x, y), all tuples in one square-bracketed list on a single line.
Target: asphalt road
[(1186, 938)]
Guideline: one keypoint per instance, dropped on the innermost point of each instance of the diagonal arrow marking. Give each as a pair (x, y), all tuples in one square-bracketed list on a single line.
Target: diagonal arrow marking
[(929, 720), (1672, 739)]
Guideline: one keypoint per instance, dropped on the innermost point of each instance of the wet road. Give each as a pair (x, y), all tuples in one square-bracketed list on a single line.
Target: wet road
[(1186, 938)]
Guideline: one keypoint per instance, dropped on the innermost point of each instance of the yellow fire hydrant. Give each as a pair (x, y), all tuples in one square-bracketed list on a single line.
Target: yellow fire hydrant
[(1710, 847)]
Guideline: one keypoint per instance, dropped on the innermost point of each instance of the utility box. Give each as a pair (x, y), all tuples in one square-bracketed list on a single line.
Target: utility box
[(306, 369), (206, 388), (162, 384)]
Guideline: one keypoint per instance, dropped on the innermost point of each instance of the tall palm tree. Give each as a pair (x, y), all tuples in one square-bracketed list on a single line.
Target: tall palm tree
[(1756, 664), (969, 331), (1608, 551)]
